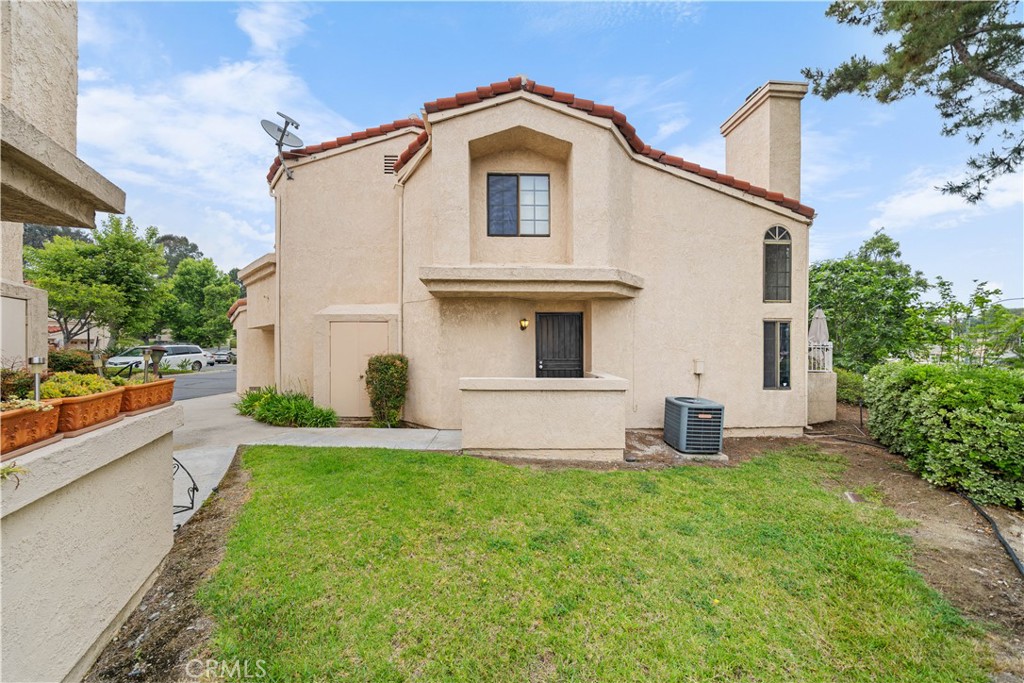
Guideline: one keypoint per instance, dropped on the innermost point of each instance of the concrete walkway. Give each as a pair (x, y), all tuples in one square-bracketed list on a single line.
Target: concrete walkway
[(213, 431)]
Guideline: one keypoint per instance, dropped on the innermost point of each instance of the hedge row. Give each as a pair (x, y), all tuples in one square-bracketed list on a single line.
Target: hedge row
[(961, 427), (849, 386)]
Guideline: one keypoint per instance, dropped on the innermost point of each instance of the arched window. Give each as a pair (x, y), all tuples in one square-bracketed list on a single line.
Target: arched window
[(778, 264)]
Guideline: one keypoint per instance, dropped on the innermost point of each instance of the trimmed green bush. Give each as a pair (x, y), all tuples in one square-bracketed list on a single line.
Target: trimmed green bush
[(958, 426), (16, 383), (289, 409), (849, 386), (387, 378), (71, 361)]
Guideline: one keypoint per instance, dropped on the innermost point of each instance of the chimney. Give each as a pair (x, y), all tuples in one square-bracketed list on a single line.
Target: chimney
[(762, 139)]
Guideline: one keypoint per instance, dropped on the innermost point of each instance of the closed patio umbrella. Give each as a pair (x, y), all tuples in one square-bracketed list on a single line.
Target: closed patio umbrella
[(817, 342)]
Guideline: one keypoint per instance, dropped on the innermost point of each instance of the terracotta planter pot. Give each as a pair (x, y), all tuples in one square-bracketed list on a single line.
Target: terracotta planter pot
[(24, 427), (138, 397), (80, 412)]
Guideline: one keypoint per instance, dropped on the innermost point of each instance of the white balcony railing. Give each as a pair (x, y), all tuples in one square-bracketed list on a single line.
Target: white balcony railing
[(819, 357)]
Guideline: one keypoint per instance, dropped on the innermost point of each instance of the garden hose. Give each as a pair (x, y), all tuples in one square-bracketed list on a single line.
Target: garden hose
[(995, 527)]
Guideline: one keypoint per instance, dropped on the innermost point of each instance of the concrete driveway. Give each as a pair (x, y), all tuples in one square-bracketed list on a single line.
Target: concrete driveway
[(213, 431)]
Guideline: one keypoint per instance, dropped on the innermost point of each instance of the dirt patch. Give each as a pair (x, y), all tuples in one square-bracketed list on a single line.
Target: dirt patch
[(954, 549), (168, 628)]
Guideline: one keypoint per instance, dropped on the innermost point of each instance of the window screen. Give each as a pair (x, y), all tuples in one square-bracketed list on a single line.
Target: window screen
[(776, 354), (518, 205), (777, 264)]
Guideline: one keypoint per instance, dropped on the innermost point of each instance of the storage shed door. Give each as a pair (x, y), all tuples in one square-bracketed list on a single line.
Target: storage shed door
[(559, 345), (352, 344)]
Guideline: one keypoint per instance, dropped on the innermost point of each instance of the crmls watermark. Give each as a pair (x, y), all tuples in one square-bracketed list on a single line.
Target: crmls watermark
[(215, 669)]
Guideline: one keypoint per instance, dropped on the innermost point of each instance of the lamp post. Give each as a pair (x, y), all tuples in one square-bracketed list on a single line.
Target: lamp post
[(36, 365)]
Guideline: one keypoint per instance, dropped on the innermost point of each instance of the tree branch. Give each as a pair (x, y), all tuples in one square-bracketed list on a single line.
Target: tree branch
[(986, 74)]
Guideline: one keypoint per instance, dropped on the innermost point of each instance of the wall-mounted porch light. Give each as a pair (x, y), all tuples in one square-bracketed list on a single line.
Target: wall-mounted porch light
[(523, 324)]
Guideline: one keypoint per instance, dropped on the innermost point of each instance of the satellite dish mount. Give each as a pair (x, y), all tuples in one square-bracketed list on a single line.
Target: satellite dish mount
[(283, 137)]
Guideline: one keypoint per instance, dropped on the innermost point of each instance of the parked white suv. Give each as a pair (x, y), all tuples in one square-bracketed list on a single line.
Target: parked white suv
[(190, 355)]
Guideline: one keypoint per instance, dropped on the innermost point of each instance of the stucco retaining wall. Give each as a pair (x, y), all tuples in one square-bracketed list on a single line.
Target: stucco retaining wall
[(579, 419), (821, 397), (82, 538)]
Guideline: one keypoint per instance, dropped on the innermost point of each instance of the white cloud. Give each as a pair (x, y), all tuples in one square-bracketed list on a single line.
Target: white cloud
[(919, 203), (189, 149), (93, 75), (273, 27), (587, 17), (709, 152)]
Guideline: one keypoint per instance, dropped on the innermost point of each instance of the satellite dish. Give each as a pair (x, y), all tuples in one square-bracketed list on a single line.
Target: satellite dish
[(280, 134), (283, 137)]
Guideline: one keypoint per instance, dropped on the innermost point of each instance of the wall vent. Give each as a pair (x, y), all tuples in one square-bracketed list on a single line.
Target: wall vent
[(389, 163), (694, 425)]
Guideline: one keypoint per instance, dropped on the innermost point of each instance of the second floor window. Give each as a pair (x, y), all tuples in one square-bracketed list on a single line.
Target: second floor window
[(518, 204), (777, 264)]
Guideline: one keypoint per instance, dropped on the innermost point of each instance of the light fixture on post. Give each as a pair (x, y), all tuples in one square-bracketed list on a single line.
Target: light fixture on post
[(523, 324), (37, 365), (146, 357), (157, 353)]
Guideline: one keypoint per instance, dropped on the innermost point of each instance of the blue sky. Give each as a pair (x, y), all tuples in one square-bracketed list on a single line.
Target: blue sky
[(171, 95)]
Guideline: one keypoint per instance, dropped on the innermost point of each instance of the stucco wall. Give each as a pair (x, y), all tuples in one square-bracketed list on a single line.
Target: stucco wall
[(337, 244), (565, 418), (39, 65), (255, 354), (821, 397), (82, 537), (19, 342), (11, 235)]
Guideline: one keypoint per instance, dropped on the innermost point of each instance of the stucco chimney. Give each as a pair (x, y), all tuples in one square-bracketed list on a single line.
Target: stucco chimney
[(762, 139)]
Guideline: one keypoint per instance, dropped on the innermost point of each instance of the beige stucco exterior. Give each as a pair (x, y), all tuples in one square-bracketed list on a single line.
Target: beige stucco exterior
[(43, 181), (664, 264), (83, 536)]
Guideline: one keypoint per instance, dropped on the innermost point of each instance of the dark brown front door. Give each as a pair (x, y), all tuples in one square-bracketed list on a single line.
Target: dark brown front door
[(559, 344)]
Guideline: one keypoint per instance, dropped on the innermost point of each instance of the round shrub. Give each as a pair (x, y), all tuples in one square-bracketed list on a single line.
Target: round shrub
[(849, 386), (16, 383), (71, 361), (387, 378)]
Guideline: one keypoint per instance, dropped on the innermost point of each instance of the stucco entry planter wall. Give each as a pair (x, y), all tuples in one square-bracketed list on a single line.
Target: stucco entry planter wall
[(83, 537), (572, 419)]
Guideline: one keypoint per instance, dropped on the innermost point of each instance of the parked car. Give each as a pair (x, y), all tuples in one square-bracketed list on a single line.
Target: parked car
[(223, 355), (177, 356)]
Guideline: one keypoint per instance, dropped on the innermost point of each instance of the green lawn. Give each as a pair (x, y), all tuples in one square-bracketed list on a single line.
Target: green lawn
[(365, 564)]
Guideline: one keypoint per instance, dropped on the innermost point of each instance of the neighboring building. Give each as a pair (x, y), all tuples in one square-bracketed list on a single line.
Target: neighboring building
[(519, 234)]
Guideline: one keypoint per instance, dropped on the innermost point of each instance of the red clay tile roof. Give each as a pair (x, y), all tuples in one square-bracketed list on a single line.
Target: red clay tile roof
[(603, 111), (376, 131), (235, 306)]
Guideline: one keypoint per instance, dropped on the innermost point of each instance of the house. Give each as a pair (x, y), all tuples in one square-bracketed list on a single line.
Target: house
[(84, 533), (550, 277)]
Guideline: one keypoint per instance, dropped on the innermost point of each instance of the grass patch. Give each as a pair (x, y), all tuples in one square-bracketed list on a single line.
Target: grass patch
[(378, 565)]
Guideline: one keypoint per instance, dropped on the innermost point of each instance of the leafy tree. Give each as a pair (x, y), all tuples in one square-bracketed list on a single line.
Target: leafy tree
[(872, 302), (977, 331), (69, 271), (37, 236), (177, 248), (133, 263), (203, 295), (969, 56), (233, 274)]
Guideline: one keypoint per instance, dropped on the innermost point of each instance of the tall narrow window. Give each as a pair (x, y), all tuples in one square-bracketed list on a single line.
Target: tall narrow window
[(778, 248), (518, 205), (776, 354)]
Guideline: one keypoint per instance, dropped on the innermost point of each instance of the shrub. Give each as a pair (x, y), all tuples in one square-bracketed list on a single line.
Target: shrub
[(62, 384), (289, 409), (16, 383), (958, 426), (387, 378), (71, 361), (849, 386)]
